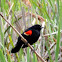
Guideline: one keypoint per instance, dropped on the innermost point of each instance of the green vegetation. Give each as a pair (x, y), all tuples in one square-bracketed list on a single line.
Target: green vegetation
[(25, 13)]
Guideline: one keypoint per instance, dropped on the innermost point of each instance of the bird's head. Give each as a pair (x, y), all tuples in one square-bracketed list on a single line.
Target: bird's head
[(37, 27)]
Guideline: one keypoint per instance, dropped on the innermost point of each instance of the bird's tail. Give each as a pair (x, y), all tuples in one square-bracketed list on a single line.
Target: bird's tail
[(18, 46), (15, 49)]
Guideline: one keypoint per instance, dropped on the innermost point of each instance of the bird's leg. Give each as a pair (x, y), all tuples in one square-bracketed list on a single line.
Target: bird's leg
[(26, 43)]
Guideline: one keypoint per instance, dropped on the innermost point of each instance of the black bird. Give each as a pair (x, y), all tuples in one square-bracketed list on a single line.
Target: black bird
[(31, 35)]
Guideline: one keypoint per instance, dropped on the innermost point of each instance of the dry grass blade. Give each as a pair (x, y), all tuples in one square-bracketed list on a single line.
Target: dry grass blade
[(24, 40), (60, 60), (52, 33), (23, 16), (40, 18), (51, 47)]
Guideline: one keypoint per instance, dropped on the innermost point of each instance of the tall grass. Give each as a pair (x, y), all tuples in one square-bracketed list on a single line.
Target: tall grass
[(51, 11)]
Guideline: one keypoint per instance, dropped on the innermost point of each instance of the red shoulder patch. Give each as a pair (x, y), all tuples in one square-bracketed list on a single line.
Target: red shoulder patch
[(28, 32)]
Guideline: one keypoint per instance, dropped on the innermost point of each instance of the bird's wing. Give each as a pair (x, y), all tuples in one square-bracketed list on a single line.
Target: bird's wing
[(27, 33)]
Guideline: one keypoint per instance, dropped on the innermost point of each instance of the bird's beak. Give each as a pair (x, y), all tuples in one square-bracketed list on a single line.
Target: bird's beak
[(42, 27)]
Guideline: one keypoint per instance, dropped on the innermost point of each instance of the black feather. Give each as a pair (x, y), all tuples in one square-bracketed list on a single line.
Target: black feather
[(31, 39)]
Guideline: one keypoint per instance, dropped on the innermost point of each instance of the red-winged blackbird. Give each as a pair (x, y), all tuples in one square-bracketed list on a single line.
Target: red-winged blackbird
[(31, 35)]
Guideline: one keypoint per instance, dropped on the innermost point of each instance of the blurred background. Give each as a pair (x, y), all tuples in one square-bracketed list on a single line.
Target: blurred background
[(24, 13)]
